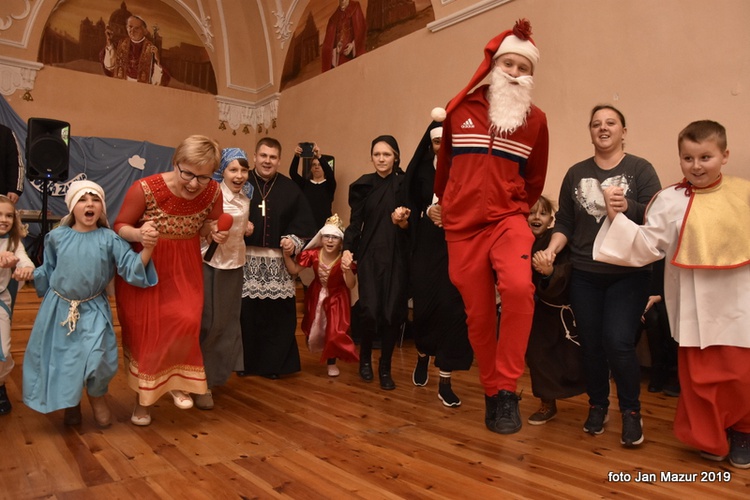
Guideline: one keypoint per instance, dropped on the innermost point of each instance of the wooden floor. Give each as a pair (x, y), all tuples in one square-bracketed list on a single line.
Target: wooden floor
[(311, 436)]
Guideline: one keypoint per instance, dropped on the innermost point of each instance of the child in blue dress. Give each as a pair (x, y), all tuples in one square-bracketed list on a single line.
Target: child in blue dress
[(14, 263), (73, 344)]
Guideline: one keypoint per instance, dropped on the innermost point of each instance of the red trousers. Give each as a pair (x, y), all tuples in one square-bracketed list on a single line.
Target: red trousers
[(499, 256), (714, 396)]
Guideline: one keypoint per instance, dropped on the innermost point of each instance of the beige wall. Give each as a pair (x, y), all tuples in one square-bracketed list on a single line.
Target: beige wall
[(663, 63)]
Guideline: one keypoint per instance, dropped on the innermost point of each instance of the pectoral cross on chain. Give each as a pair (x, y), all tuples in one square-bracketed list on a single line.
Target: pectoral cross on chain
[(262, 207)]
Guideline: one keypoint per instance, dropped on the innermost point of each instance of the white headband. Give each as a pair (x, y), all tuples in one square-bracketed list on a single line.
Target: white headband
[(76, 190)]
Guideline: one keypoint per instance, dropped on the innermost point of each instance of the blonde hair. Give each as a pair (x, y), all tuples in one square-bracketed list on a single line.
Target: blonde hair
[(197, 151), (18, 230)]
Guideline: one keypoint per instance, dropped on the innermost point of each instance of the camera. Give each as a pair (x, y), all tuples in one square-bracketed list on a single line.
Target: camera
[(307, 149)]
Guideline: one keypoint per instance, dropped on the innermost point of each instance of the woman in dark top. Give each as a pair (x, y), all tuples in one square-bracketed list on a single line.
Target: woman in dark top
[(377, 239), (607, 300), (320, 187)]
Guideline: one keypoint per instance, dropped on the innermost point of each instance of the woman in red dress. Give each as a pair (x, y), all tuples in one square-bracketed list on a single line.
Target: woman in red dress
[(161, 325)]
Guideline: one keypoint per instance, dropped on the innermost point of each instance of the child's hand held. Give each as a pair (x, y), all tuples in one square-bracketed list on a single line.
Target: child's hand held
[(23, 274), (8, 259), (149, 234)]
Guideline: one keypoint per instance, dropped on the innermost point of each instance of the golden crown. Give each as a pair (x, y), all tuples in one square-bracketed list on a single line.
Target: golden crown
[(335, 220)]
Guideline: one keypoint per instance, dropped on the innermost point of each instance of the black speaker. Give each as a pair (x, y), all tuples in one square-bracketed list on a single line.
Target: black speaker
[(47, 149)]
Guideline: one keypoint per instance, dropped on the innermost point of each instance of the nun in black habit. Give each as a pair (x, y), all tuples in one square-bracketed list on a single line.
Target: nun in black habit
[(439, 322), (377, 239)]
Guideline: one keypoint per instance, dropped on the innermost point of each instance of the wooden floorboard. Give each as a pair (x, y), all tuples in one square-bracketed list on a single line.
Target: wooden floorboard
[(308, 436)]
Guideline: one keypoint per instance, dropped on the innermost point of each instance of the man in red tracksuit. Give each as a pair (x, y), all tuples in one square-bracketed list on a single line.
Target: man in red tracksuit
[(491, 168)]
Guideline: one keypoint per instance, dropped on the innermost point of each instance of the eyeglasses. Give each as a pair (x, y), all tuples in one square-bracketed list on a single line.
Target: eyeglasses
[(331, 237), (189, 176)]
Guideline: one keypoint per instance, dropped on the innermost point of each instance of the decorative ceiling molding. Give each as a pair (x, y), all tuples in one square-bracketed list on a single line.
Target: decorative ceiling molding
[(203, 21), (17, 74), (227, 45), (237, 113), (8, 22), (464, 14), (284, 21), (29, 14)]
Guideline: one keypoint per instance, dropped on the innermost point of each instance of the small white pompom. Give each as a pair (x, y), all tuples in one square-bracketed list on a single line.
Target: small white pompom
[(438, 114)]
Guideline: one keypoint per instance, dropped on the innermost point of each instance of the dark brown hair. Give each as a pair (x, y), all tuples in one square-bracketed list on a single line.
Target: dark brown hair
[(704, 130), (269, 142), (600, 107)]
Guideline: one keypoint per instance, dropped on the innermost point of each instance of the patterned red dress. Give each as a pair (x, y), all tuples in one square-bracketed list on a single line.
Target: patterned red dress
[(161, 324), (327, 309)]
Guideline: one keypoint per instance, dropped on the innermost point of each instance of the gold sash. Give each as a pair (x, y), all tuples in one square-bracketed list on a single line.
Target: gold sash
[(716, 226)]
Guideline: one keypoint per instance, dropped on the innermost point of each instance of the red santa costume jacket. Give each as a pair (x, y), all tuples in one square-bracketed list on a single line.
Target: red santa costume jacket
[(483, 178)]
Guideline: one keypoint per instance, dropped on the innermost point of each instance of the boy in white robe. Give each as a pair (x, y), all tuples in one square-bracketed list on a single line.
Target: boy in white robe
[(700, 226)]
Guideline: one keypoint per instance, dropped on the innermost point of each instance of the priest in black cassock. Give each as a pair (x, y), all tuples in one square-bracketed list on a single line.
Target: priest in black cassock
[(282, 219)]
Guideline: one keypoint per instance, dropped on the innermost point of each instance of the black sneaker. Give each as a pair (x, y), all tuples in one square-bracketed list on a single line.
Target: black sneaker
[(447, 396), (598, 416), (632, 428), (739, 449), (421, 373), (508, 415), (5, 406), (490, 411)]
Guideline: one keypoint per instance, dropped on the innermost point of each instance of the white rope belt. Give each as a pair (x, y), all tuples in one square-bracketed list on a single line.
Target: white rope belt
[(73, 314), (563, 308)]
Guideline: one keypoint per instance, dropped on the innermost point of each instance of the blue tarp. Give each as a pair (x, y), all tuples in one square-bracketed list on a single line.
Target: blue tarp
[(112, 163)]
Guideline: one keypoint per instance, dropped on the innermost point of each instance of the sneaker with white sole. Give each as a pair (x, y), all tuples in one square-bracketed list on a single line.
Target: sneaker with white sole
[(632, 429), (598, 416), (447, 396)]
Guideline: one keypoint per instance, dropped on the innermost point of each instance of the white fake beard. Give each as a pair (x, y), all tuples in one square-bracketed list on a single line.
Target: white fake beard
[(509, 103)]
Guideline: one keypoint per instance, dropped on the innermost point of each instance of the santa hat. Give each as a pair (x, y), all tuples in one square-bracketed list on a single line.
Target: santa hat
[(76, 190), (516, 41)]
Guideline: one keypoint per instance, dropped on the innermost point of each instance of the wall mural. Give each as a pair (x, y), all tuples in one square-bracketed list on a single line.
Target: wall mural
[(333, 32), (138, 40)]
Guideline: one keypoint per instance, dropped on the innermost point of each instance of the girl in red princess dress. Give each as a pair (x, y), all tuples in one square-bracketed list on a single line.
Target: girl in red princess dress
[(327, 301)]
